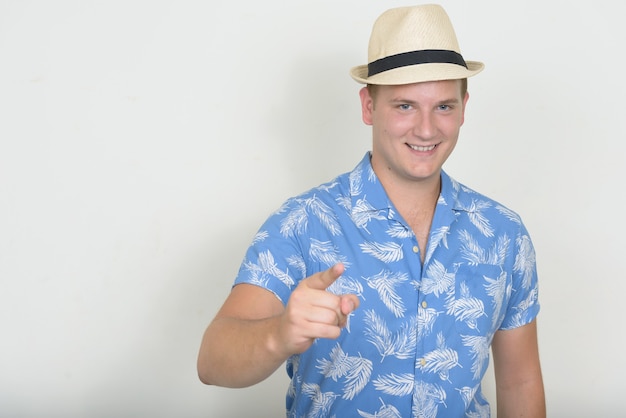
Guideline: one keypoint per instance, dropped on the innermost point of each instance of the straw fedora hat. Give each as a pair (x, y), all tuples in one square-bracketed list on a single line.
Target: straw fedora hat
[(411, 45)]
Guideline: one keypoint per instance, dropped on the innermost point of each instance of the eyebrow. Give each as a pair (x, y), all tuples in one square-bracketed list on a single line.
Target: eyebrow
[(453, 100)]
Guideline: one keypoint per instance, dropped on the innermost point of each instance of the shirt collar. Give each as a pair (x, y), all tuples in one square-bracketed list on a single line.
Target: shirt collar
[(366, 192), (455, 195), (368, 195)]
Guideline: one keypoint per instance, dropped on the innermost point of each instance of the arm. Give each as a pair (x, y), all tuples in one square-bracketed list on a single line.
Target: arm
[(519, 384), (253, 333)]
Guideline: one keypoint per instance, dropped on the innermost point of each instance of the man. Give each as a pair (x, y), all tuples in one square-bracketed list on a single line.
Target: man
[(385, 288)]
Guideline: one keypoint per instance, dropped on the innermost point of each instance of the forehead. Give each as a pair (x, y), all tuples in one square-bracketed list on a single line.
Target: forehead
[(430, 90)]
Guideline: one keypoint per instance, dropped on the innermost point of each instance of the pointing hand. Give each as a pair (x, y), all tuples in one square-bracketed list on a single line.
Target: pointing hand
[(313, 312)]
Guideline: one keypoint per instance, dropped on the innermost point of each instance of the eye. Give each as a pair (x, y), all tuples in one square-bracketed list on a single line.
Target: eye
[(444, 107), (404, 106)]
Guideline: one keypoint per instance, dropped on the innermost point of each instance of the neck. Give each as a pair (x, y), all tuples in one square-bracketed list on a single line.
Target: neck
[(413, 196), (416, 202)]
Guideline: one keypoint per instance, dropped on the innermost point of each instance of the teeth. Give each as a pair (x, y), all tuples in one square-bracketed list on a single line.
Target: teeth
[(422, 149)]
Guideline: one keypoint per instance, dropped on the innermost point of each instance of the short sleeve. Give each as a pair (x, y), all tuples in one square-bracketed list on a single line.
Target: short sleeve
[(523, 305)]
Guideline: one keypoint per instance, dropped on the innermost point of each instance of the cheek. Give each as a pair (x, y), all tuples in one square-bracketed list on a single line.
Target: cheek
[(395, 125), (402, 129), (387, 131)]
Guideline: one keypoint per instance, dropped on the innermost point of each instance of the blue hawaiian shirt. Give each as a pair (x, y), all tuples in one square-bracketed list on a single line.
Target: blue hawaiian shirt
[(418, 345)]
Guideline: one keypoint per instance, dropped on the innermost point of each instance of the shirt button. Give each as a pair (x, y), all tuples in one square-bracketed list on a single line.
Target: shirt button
[(416, 249), (424, 304), (422, 362)]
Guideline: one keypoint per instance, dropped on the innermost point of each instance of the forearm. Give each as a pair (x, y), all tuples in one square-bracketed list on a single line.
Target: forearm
[(519, 384), (253, 333), (525, 400), (239, 353)]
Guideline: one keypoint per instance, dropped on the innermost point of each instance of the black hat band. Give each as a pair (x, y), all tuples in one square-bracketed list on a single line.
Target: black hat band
[(404, 59)]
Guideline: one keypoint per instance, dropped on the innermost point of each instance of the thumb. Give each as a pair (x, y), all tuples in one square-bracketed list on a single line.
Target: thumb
[(349, 303), (322, 280)]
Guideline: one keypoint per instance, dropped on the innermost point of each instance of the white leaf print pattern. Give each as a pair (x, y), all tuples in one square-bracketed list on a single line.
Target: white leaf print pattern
[(467, 394), (292, 363), (321, 402), (466, 308), (436, 236), (519, 319), (386, 252), (525, 260), (475, 254), (500, 249), (296, 261), (283, 207), (384, 283), (356, 371), (344, 201), (259, 237), (338, 365), (296, 221), (363, 213), (455, 184), (437, 279), (498, 290), (329, 186), (441, 360), (400, 344), (479, 347), (326, 253), (325, 214), (512, 216), (358, 377), (371, 175), (478, 219), (425, 320), (482, 411), (265, 268), (356, 186), (396, 385), (426, 399), (385, 411), (398, 230)]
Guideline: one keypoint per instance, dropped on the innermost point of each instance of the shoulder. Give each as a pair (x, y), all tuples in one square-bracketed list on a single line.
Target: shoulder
[(330, 193), (339, 192), (466, 199)]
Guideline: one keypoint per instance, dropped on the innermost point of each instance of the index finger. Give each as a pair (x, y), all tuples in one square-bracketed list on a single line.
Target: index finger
[(322, 280)]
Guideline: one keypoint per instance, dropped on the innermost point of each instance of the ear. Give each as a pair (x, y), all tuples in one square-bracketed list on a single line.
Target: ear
[(367, 105), (465, 99)]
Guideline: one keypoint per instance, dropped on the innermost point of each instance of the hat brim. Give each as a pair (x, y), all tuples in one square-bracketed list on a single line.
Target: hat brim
[(417, 73)]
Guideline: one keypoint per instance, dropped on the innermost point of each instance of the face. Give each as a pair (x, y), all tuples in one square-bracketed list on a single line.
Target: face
[(415, 127)]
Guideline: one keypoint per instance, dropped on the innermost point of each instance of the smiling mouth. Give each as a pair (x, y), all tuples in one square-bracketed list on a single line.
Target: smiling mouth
[(422, 149)]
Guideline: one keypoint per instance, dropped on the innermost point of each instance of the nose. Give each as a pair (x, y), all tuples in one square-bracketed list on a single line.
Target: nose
[(424, 126)]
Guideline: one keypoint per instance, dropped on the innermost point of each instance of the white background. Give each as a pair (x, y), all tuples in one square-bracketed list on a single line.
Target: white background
[(142, 143)]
